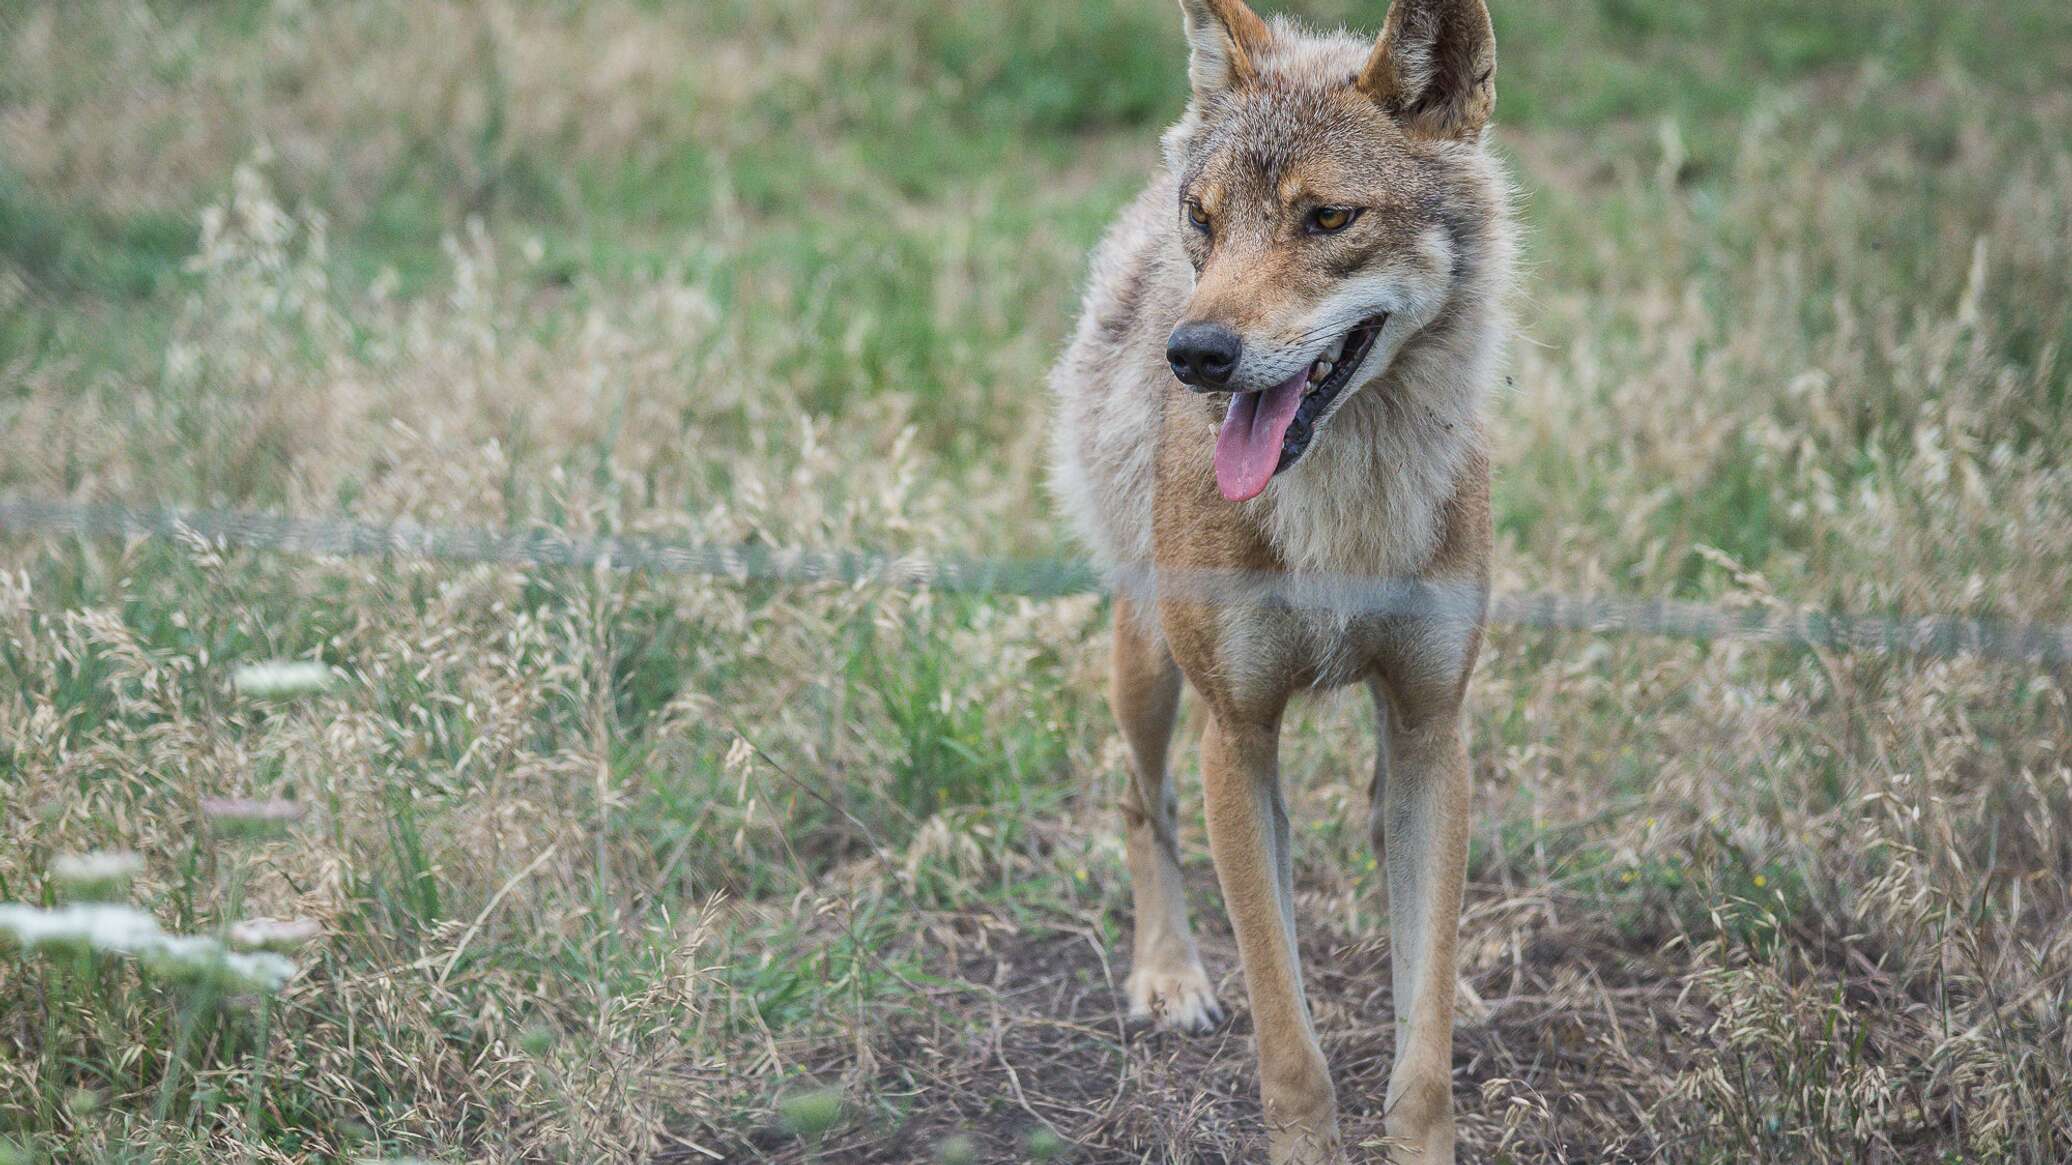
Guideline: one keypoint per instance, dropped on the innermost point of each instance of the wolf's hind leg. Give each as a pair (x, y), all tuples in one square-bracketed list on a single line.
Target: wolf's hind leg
[(1166, 982), (1377, 790)]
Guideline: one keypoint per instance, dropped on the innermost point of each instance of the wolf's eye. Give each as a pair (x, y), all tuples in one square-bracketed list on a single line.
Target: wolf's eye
[(1329, 220), (1197, 216)]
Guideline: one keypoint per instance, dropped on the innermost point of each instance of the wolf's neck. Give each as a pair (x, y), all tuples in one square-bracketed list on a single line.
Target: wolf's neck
[(1369, 498)]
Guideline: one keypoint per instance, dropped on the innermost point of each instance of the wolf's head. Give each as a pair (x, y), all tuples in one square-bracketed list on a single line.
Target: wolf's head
[(1330, 189)]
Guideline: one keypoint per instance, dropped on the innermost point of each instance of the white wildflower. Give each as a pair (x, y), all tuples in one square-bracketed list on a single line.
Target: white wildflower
[(97, 876), (85, 926), (274, 934), (281, 678), (124, 930)]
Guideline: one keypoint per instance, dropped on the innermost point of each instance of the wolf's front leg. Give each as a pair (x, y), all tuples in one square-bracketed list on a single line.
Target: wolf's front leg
[(1248, 835), (1425, 818), (1167, 984)]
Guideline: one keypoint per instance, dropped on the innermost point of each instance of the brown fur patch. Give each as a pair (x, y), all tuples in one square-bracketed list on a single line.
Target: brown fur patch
[(1249, 35)]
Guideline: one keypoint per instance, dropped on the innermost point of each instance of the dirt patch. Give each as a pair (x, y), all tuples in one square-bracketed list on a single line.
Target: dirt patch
[(1031, 1034)]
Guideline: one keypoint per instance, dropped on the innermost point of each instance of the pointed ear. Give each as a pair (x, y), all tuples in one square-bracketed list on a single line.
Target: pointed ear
[(1224, 41), (1434, 67)]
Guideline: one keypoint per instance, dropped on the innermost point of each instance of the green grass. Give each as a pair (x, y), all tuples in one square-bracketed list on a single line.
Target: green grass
[(606, 863)]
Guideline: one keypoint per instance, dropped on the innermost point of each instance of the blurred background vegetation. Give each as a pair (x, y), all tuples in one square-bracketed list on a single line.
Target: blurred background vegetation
[(609, 866)]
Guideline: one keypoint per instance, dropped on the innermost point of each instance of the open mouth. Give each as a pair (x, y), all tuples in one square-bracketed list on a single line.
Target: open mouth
[(1266, 432)]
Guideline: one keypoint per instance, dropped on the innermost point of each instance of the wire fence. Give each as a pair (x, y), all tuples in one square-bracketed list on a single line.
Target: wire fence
[(1945, 636)]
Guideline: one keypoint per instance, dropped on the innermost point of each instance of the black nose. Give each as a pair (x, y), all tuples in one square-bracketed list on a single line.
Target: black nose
[(1203, 355)]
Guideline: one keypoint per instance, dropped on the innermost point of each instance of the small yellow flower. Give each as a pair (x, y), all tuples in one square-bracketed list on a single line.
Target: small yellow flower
[(1080, 873), (1628, 877), (1761, 881)]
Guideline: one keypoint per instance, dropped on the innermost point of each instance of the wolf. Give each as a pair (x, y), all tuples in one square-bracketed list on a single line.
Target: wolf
[(1279, 371)]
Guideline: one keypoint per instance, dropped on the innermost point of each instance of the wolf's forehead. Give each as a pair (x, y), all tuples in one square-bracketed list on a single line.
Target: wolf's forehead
[(1281, 140)]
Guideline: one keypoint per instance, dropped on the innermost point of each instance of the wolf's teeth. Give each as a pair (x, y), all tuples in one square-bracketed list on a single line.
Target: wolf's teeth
[(1319, 370)]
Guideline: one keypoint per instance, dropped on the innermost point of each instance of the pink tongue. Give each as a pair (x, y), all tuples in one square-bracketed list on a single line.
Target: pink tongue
[(1248, 449)]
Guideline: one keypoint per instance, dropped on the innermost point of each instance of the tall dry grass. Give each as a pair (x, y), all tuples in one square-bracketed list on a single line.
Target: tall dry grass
[(609, 865)]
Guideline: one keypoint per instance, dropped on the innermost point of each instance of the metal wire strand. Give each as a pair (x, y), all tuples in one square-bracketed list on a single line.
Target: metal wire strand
[(1933, 635)]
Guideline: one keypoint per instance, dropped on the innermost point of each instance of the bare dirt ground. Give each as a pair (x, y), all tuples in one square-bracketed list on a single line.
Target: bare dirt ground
[(1030, 1030)]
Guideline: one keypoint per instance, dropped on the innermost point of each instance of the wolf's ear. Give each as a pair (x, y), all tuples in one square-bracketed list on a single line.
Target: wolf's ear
[(1224, 42), (1434, 67)]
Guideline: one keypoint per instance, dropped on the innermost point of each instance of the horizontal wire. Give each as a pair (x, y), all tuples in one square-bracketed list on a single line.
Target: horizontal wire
[(1462, 603)]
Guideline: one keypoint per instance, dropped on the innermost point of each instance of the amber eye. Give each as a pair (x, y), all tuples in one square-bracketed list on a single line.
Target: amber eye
[(1197, 216), (1329, 220)]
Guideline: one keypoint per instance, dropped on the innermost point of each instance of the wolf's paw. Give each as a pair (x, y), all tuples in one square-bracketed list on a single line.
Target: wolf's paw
[(1308, 1152), (1315, 1145), (1181, 1000)]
